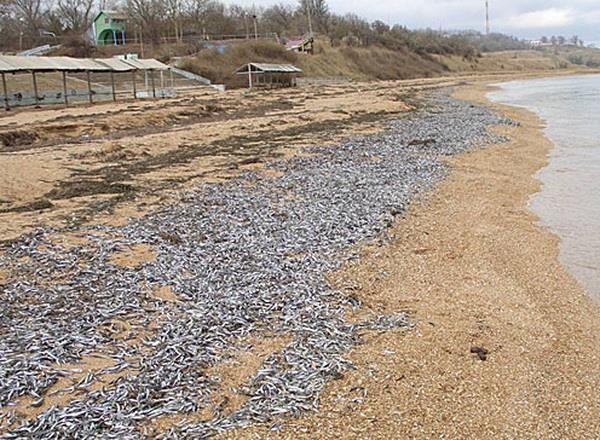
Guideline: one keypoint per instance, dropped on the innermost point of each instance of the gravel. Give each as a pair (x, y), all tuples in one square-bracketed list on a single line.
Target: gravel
[(245, 257)]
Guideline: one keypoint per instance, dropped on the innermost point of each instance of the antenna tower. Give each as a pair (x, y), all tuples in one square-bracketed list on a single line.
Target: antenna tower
[(487, 17)]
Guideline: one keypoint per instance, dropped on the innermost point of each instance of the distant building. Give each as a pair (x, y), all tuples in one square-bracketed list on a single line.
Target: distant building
[(304, 44), (538, 43), (109, 28)]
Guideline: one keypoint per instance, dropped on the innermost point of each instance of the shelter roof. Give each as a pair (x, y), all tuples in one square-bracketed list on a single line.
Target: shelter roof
[(147, 64), (13, 64), (268, 68), (115, 64)]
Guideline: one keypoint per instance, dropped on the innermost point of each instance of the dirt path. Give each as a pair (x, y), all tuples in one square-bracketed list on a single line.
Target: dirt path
[(483, 282)]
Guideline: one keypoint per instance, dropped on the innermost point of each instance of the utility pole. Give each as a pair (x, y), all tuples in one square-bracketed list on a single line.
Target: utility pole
[(21, 21), (487, 17), (246, 26), (254, 17), (309, 15)]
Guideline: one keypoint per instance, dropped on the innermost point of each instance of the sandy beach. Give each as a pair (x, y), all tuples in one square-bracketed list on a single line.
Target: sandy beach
[(474, 270), (504, 343)]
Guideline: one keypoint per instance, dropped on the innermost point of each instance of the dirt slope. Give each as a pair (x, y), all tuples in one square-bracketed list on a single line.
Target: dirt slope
[(371, 63)]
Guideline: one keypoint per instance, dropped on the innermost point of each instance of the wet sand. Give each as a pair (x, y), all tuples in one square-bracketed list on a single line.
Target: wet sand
[(475, 270), (569, 202)]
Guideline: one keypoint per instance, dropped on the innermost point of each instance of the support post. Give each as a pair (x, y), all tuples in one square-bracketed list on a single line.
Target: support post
[(112, 83), (5, 89), (153, 84), (65, 92), (35, 89), (172, 82), (134, 87), (89, 82), (249, 76)]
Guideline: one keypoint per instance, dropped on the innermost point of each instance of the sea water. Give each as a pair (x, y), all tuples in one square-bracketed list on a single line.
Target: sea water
[(569, 201)]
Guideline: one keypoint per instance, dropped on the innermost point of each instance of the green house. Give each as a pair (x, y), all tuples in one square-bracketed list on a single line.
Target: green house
[(109, 28)]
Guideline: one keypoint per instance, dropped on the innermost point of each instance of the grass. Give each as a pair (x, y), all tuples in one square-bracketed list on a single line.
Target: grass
[(220, 67), (368, 63), (372, 63), (521, 60), (327, 61)]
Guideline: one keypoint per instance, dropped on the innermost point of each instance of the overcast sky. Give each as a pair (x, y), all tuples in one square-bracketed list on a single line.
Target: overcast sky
[(524, 18)]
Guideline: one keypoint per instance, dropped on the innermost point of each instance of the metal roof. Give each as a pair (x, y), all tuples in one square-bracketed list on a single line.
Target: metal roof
[(22, 63), (115, 64), (271, 68), (147, 64), (67, 63), (47, 64), (4, 66)]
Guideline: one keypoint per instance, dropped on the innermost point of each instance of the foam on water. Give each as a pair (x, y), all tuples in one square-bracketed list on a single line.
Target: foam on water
[(569, 202)]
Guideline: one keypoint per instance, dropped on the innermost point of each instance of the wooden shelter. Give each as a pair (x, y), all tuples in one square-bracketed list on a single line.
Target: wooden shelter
[(269, 75), (14, 65)]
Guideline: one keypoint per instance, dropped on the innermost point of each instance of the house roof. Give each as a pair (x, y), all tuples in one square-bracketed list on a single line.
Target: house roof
[(268, 68), (111, 14), (295, 44)]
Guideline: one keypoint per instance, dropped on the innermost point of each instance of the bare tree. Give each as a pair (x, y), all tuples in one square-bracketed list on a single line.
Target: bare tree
[(208, 16), (279, 18), (317, 13), (242, 18), (174, 9), (28, 11), (29, 20), (75, 15), (148, 16)]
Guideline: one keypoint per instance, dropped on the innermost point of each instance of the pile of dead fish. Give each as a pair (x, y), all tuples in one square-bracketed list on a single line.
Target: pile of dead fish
[(245, 257)]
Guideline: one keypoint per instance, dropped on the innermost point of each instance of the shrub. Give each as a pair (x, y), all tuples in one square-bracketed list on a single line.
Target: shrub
[(77, 46)]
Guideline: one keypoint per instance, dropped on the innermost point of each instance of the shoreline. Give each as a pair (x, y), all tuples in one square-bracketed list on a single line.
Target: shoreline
[(474, 268), (567, 174)]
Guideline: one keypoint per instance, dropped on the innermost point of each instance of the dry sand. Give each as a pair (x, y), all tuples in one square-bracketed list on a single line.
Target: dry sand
[(474, 270)]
